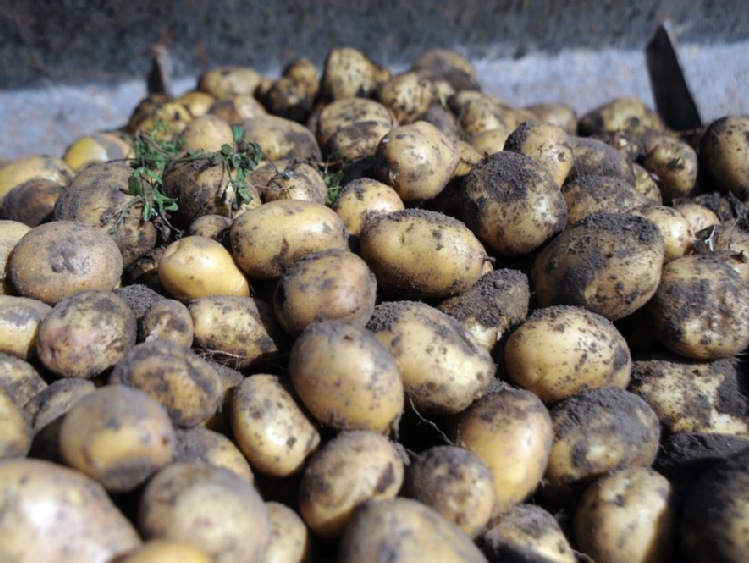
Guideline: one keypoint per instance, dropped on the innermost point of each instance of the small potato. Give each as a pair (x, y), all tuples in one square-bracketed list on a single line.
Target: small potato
[(512, 203), (350, 469), (197, 103), (629, 114), (596, 157), (267, 240), (281, 138), (186, 385), (270, 427), (417, 160), (297, 180), (361, 199), (346, 378), (421, 254), (20, 379), (99, 147), (645, 184), (562, 350), (32, 202), (608, 263), (675, 229), (18, 171), (456, 483), (20, 319), (675, 164), (406, 96), (209, 508), (117, 436), (38, 495), (490, 141), (699, 216), (557, 114), (526, 533), (195, 267), (237, 331), (164, 551), (86, 334), (215, 227), (290, 541), (344, 113), (546, 144), (56, 260), (327, 285), (479, 113), (628, 516), (511, 432), (700, 308), (443, 62), (168, 319), (442, 368), (206, 133), (15, 429), (379, 529), (355, 142), (588, 194), (597, 431), (349, 73), (235, 109), (10, 233), (222, 82), (724, 152), (200, 445)]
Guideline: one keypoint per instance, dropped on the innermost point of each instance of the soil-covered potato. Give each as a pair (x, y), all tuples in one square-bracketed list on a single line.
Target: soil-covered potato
[(456, 483), (214, 227), (700, 309), (628, 114), (201, 445), (345, 113), (290, 541), (33, 202), (349, 73), (118, 436), (295, 180), (16, 172), (693, 396), (267, 240), (596, 157), (728, 242), (478, 113), (442, 368), (361, 199), (447, 65), (376, 533), (497, 302), (15, 433), (355, 142), (646, 184), (236, 109), (56, 260), (490, 141), (184, 384), (20, 379), (38, 496), (352, 468), (20, 319), (512, 203), (269, 426), (10, 233), (675, 229), (421, 254), (327, 285), (597, 431), (511, 432), (526, 533), (281, 138), (699, 216), (547, 144), (608, 263), (223, 82), (724, 152), (86, 334), (407, 95), (559, 351), (208, 507), (167, 319), (237, 331), (628, 516), (674, 162), (588, 194), (346, 377)]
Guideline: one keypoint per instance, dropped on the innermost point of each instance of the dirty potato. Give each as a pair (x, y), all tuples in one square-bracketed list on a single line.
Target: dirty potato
[(167, 319), (20, 379), (33, 202), (290, 540), (10, 233), (16, 433), (723, 154), (588, 194), (20, 319), (201, 445), (361, 199), (546, 144)]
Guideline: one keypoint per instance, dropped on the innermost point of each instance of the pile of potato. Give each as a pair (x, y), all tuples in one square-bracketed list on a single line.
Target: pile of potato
[(510, 334)]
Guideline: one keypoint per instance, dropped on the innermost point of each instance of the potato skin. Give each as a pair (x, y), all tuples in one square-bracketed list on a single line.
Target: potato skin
[(545, 143), (164, 551), (363, 198), (723, 154), (10, 233), (20, 319), (15, 430), (167, 319), (32, 202), (20, 379), (201, 445), (18, 171), (290, 540)]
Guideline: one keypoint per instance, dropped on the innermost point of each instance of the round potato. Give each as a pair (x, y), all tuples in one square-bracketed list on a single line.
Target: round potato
[(629, 114), (557, 114), (724, 151), (361, 199), (674, 162), (588, 194), (675, 229), (99, 147), (442, 368), (10, 233), (699, 216), (645, 184), (15, 436), (562, 350), (281, 138), (214, 227), (349, 73), (290, 541), (20, 379), (33, 202), (406, 95), (344, 113), (167, 319), (346, 377), (297, 180), (20, 319), (201, 445), (597, 158), (546, 144), (18, 171), (350, 469), (490, 141), (421, 254), (164, 551), (206, 133), (197, 103), (222, 82)]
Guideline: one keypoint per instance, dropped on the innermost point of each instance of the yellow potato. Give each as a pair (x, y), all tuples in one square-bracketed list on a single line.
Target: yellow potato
[(20, 319), (10, 233)]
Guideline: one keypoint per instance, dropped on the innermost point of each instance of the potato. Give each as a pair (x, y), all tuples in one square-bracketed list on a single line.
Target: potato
[(267, 240), (269, 426), (209, 508), (10, 233), (588, 194), (206, 133), (346, 377), (713, 519), (237, 331), (675, 164), (628, 516), (490, 141), (197, 103), (478, 113), (512, 203), (290, 540), (350, 469), (200, 445), (56, 260), (236, 109), (693, 396), (417, 160), (724, 148), (403, 530), (645, 184), (18, 171), (511, 432), (700, 308), (608, 263), (99, 147), (675, 229), (222, 82), (345, 113), (443, 62), (728, 242), (117, 436), (526, 533), (86, 334), (164, 551), (349, 73), (441, 117), (406, 95), (167, 319), (297, 180), (456, 483), (281, 138), (32, 202), (38, 495), (356, 142), (289, 98), (214, 227), (596, 157), (497, 302), (421, 254), (629, 114), (15, 436), (165, 121), (597, 431), (184, 384), (327, 285), (442, 368), (557, 114), (546, 144), (194, 267), (20, 319), (20, 379), (559, 351), (699, 216), (361, 199)]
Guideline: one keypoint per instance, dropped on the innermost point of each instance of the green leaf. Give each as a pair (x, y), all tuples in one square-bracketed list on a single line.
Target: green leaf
[(237, 133)]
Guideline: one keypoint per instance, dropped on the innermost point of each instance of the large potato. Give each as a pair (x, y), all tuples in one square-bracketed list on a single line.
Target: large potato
[(421, 254), (589, 193), (724, 149)]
